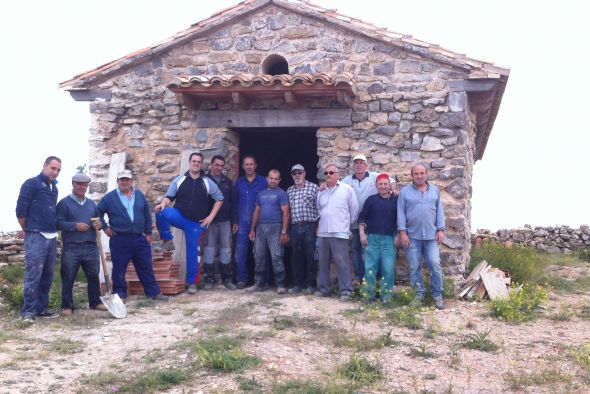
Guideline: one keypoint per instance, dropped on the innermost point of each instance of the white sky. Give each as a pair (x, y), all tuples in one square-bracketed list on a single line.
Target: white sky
[(532, 171)]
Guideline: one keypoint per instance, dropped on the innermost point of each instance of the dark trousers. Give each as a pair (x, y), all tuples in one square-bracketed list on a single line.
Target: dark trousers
[(40, 254), (75, 255), (268, 239), (134, 247), (303, 264)]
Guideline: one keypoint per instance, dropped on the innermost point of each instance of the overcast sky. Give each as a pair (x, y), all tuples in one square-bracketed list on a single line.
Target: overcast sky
[(535, 167)]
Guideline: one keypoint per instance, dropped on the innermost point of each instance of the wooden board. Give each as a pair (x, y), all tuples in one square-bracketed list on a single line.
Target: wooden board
[(276, 118), (495, 285)]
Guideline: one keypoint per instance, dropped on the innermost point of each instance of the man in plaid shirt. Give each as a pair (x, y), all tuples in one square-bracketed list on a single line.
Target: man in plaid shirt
[(304, 220)]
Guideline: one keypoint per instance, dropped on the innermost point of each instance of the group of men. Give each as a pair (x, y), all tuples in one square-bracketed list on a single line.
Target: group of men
[(334, 221)]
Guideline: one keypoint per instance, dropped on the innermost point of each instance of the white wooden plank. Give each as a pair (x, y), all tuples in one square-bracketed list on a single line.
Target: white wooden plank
[(495, 285)]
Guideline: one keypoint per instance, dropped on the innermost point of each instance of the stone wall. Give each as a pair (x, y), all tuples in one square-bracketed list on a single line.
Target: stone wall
[(12, 249), (558, 239), (403, 112)]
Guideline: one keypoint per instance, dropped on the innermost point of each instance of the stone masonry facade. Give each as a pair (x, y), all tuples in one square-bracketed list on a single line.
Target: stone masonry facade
[(403, 112)]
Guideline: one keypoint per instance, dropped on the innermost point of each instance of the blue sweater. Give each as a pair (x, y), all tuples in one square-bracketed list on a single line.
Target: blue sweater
[(119, 220), (379, 215), (69, 212), (36, 203)]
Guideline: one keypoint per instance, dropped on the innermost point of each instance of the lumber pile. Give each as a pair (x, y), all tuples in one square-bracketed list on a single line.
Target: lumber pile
[(166, 270), (485, 281)]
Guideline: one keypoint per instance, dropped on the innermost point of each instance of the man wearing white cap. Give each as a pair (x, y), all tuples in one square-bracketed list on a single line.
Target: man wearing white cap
[(79, 244), (364, 184), (130, 232)]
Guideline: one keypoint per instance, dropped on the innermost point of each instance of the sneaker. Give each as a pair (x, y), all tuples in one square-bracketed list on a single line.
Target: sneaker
[(229, 285), (101, 307), (416, 302), (192, 289), (281, 290), (208, 285), (66, 311), (345, 297), (256, 288), (241, 285), (27, 318), (439, 303), (160, 297), (295, 290), (321, 294), (48, 314)]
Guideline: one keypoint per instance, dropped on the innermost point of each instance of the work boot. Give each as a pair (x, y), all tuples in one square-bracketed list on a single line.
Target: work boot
[(100, 307), (256, 288), (229, 285), (295, 290), (281, 290), (160, 297), (48, 314), (439, 303), (241, 285)]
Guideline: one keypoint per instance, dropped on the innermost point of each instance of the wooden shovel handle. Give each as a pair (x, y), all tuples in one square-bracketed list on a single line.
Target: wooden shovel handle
[(102, 256)]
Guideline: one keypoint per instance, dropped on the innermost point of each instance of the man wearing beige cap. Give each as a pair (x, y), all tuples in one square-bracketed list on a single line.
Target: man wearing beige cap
[(130, 232), (79, 244)]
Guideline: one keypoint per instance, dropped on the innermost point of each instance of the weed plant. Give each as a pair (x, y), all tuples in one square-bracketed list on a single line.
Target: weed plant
[(361, 343), (422, 351), (546, 377), (360, 371), (224, 354), (66, 346), (520, 306), (523, 262), (479, 341), (297, 386), (581, 355), (406, 316)]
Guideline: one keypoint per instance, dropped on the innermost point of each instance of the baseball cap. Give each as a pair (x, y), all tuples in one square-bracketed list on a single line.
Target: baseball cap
[(382, 176), (81, 178), (297, 167), (360, 157), (125, 174)]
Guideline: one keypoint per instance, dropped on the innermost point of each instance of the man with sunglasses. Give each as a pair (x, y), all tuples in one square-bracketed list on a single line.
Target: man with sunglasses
[(304, 221), (338, 208)]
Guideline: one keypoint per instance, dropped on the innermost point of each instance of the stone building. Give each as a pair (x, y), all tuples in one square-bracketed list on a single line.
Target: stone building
[(291, 82)]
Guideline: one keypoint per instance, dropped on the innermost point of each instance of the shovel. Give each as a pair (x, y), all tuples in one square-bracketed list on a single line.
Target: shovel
[(112, 301)]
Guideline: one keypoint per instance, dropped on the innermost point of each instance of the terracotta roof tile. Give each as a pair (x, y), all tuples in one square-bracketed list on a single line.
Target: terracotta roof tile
[(247, 80)]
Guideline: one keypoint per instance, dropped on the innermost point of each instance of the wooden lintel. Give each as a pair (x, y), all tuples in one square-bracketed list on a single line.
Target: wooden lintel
[(90, 94), (473, 85), (290, 99), (344, 99), (239, 100), (276, 118), (188, 101)]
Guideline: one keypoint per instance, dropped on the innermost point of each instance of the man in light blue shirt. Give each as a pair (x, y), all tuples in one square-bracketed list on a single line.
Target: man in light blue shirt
[(421, 225)]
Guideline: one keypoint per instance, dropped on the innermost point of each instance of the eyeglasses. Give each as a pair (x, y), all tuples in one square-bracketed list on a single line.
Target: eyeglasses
[(296, 172), (329, 172)]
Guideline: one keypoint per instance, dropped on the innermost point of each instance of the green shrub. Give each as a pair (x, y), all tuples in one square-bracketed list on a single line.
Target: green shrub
[(581, 355), (360, 370), (523, 262), (479, 341), (224, 354), (520, 306), (157, 379), (584, 254), (13, 274)]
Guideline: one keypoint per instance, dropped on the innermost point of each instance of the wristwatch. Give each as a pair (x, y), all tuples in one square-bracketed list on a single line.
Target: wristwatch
[(283, 232)]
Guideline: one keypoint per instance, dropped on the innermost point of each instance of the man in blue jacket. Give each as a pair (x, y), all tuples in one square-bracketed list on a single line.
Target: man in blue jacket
[(130, 232), (191, 213), (246, 189), (36, 214), (79, 244)]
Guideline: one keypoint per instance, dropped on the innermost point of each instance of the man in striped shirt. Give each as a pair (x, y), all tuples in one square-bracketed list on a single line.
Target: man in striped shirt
[(304, 220)]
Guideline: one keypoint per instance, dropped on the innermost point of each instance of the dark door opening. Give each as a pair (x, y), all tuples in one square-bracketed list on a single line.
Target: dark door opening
[(281, 148)]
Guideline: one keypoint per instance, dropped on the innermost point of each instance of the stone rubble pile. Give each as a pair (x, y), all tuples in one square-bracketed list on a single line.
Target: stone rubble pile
[(552, 239)]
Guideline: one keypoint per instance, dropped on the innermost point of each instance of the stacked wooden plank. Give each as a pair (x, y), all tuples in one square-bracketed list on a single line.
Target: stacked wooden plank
[(166, 270), (485, 281)]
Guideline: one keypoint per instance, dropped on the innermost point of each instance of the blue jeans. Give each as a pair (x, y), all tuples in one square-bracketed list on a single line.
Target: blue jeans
[(357, 255), (379, 254), (74, 255), (40, 255), (192, 233), (303, 264), (134, 247), (268, 237), (428, 249)]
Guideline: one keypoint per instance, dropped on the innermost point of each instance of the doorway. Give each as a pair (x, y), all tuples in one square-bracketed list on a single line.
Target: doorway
[(281, 148)]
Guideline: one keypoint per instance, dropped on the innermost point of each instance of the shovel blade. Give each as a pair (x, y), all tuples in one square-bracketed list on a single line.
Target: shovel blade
[(115, 305)]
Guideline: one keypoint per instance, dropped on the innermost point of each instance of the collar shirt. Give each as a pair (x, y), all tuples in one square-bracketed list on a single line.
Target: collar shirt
[(420, 214), (303, 203), (363, 188), (128, 202), (338, 208), (78, 201)]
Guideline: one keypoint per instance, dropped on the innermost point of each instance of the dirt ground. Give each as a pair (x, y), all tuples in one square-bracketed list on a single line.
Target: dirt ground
[(299, 337)]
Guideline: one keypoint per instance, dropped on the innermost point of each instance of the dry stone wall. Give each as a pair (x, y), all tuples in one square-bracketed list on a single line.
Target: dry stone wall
[(403, 112), (557, 239)]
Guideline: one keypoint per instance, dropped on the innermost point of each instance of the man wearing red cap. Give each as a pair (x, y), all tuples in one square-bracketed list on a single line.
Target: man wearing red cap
[(377, 227)]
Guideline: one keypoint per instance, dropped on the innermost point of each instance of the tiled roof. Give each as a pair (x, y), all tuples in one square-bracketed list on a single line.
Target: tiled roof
[(477, 68), (248, 80)]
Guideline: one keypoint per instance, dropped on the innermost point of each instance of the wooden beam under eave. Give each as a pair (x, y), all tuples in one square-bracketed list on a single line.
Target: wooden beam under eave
[(239, 100), (291, 100), (188, 101), (344, 99)]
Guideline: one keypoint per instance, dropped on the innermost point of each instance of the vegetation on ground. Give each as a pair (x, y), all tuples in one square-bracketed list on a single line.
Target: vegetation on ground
[(521, 305)]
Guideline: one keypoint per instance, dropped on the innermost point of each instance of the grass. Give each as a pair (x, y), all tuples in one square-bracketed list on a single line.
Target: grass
[(223, 354), (581, 355), (578, 285), (296, 386), (249, 385), (422, 351), (360, 371), (66, 346), (521, 305), (361, 343), (406, 316), (479, 341), (584, 254), (565, 313), (523, 262), (104, 380), (546, 377), (143, 382)]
